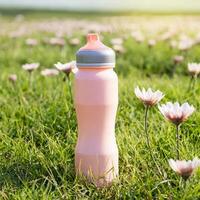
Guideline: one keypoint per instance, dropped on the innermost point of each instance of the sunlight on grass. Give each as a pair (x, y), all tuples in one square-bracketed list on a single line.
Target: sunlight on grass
[(38, 128)]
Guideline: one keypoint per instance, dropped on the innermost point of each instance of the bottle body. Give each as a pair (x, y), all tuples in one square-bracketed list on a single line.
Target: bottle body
[(96, 101)]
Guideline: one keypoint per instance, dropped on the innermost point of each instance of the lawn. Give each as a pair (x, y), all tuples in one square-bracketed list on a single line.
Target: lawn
[(38, 129)]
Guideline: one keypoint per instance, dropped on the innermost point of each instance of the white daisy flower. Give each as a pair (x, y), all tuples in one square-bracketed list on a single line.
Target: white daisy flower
[(184, 168), (175, 112), (30, 66), (148, 97)]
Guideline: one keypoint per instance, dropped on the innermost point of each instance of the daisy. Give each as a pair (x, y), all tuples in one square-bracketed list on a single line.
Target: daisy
[(138, 36), (194, 68), (30, 66), (12, 78), (57, 41), (151, 43), (67, 68), (185, 44), (74, 41), (49, 72), (31, 42), (184, 168), (148, 97), (178, 59), (118, 48), (167, 35), (116, 41), (177, 114)]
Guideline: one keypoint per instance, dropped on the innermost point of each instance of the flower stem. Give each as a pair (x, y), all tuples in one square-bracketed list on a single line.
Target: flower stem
[(183, 183), (146, 127), (147, 138), (30, 79), (70, 88), (177, 142), (173, 70), (194, 82), (190, 83)]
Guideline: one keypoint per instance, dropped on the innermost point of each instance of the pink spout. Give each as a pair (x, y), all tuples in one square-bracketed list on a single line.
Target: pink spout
[(93, 42), (92, 37)]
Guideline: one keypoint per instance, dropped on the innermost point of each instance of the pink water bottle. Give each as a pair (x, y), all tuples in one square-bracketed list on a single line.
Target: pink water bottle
[(96, 101)]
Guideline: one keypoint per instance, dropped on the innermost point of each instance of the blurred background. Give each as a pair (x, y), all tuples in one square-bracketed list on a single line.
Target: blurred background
[(106, 5), (169, 29)]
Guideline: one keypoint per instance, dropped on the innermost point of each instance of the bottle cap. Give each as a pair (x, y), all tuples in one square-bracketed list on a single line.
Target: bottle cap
[(95, 54)]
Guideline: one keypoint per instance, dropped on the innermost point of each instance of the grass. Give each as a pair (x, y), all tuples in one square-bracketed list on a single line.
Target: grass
[(6, 11), (38, 129)]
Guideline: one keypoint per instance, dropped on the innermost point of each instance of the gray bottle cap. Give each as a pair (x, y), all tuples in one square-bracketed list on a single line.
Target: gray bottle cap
[(95, 54)]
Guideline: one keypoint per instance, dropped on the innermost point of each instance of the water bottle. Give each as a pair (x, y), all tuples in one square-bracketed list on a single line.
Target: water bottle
[(96, 101)]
